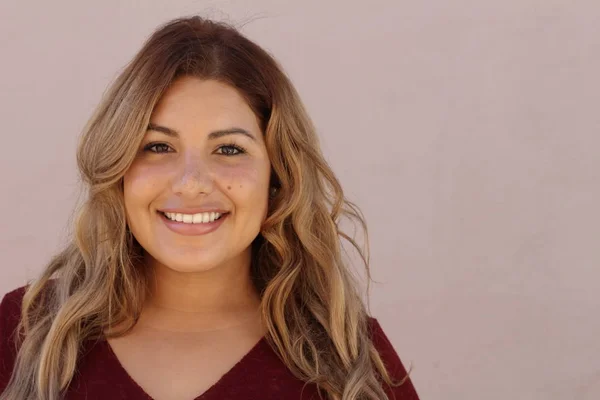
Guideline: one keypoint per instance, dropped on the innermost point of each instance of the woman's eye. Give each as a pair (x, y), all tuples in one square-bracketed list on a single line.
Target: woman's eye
[(157, 148), (230, 150)]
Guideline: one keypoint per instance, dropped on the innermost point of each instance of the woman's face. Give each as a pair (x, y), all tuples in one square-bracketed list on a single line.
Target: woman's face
[(197, 193)]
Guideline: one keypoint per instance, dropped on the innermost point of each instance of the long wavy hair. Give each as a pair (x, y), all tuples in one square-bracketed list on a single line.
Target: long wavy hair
[(315, 317)]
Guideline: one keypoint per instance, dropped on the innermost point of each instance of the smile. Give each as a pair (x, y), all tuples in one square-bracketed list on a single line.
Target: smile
[(200, 218), (193, 224)]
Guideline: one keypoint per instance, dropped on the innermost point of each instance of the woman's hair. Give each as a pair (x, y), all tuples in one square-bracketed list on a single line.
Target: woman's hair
[(317, 322)]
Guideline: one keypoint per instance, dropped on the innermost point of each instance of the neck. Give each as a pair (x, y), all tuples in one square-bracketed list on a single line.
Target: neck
[(194, 301)]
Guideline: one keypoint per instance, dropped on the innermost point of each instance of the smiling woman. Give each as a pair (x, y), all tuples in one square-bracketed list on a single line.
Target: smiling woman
[(206, 262)]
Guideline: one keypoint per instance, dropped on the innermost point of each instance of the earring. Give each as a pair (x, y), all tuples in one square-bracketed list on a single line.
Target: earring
[(273, 191)]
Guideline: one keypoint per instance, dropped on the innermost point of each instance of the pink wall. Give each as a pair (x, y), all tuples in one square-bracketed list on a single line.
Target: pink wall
[(466, 130)]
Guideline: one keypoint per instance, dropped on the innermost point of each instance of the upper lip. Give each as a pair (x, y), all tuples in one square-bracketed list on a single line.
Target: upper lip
[(193, 210)]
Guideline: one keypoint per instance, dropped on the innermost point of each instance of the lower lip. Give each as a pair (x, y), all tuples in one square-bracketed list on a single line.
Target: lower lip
[(192, 229)]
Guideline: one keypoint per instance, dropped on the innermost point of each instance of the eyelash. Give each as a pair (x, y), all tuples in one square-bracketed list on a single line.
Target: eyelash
[(239, 149)]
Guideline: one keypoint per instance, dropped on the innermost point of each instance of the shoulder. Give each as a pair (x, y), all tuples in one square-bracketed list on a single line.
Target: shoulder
[(392, 362), (386, 350), (10, 310), (10, 314)]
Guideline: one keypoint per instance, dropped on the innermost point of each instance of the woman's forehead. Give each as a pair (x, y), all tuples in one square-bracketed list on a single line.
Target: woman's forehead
[(191, 100)]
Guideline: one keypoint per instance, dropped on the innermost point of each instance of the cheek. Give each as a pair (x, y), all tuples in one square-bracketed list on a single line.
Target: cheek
[(140, 185), (246, 183)]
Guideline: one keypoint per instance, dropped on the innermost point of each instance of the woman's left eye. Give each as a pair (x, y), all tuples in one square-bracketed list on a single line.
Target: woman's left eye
[(231, 150)]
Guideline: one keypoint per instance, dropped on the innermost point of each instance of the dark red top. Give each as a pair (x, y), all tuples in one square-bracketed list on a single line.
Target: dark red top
[(260, 374)]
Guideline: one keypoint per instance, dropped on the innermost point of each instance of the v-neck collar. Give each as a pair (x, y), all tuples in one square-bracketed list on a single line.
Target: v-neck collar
[(251, 357)]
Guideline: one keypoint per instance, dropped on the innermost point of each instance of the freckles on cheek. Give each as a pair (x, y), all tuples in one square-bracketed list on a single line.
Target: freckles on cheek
[(240, 177), (245, 183)]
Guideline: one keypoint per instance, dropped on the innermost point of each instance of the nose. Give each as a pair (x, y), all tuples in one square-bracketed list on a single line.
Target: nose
[(193, 176)]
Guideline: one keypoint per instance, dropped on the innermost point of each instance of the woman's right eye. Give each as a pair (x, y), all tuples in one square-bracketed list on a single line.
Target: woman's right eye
[(157, 147)]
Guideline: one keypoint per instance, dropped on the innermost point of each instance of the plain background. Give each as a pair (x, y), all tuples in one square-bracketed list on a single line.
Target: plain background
[(466, 130)]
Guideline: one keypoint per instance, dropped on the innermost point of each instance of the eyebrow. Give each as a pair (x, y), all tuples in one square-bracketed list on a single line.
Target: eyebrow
[(213, 135)]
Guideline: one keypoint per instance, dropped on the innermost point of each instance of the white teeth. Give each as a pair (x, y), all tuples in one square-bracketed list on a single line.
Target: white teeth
[(200, 218)]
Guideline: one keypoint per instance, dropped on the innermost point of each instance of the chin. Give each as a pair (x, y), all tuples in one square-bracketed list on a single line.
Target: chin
[(189, 260), (184, 267)]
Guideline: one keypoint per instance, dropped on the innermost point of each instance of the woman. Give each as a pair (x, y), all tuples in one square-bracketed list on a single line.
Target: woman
[(206, 260)]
